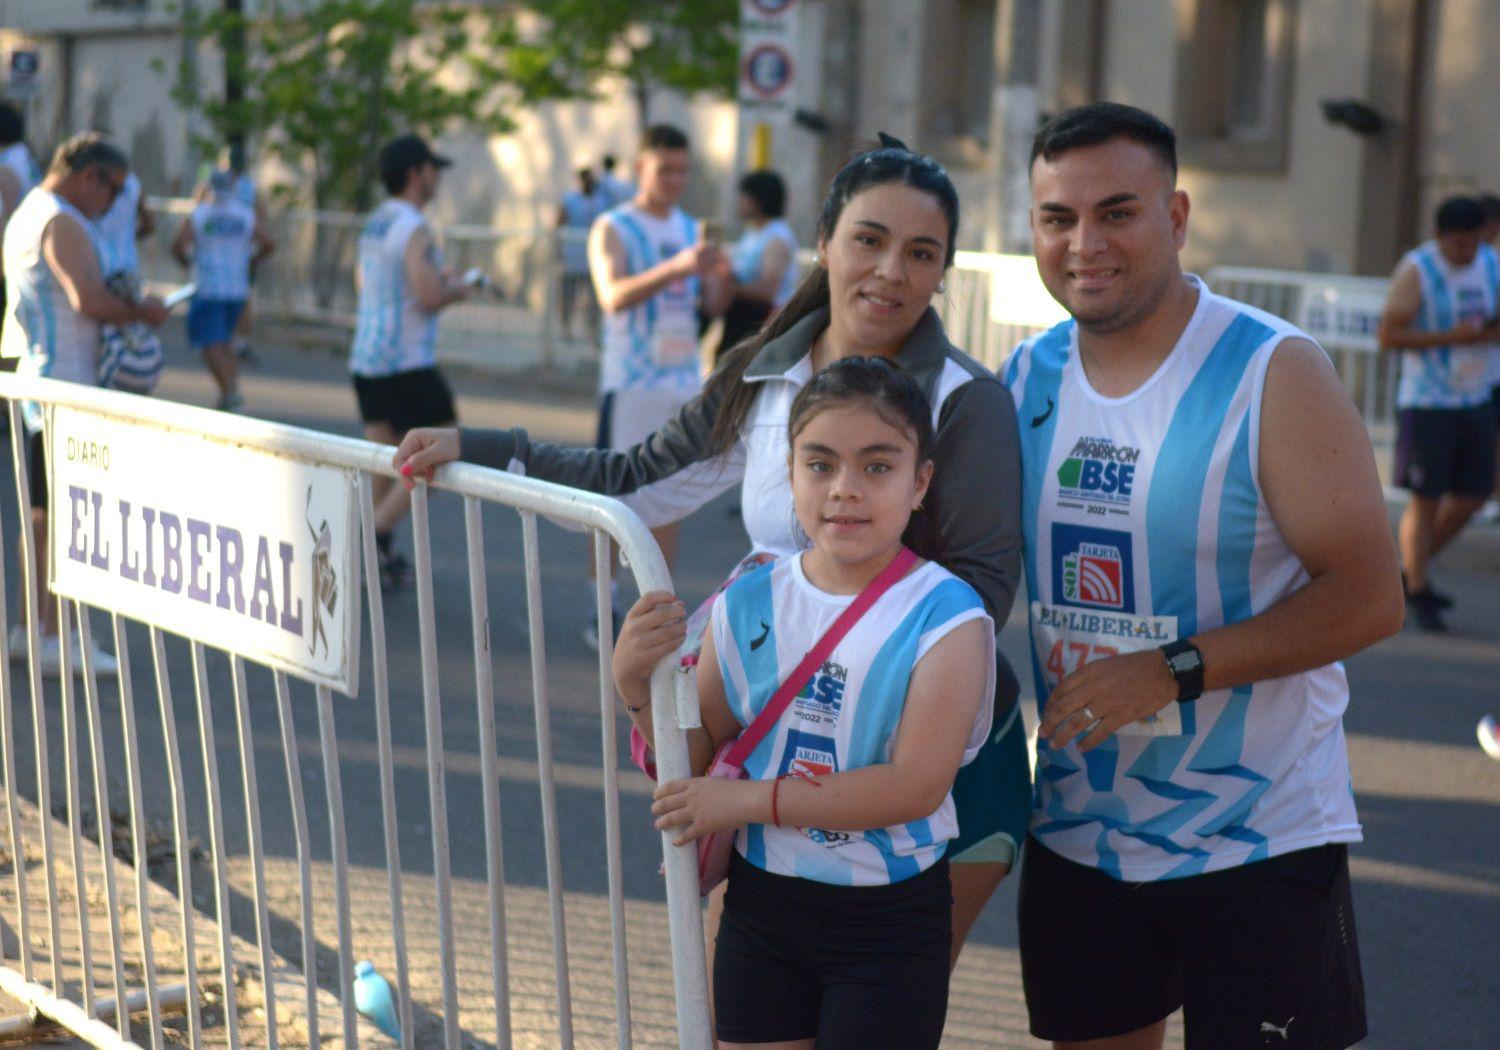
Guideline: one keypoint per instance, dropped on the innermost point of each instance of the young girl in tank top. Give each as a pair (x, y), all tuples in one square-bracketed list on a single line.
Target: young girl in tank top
[(837, 922)]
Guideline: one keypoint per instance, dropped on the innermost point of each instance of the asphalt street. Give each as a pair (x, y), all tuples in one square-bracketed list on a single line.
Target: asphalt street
[(1427, 877)]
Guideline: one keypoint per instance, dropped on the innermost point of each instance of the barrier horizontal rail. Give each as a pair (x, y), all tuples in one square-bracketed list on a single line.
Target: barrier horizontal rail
[(199, 946)]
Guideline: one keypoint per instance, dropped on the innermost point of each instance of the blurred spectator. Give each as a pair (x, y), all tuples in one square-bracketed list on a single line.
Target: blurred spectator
[(579, 209), (126, 222), (56, 302), (764, 259), (221, 241), (18, 173), (1489, 204), (618, 190), (1440, 315)]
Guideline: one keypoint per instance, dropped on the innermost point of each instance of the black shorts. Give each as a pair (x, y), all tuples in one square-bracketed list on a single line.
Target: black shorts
[(36, 469), (1446, 451), (1259, 955), (852, 966), (419, 398)]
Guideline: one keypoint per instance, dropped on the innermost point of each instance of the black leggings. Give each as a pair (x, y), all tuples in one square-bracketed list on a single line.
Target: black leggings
[(854, 966)]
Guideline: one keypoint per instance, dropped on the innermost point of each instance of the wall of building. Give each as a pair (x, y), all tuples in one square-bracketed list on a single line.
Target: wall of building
[(1463, 127), (1304, 217)]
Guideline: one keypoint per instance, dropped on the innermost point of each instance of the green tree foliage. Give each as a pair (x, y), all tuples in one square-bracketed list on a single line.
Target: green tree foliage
[(324, 82)]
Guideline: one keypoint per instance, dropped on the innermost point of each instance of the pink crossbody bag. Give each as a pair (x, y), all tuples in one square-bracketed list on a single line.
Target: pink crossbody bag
[(729, 763)]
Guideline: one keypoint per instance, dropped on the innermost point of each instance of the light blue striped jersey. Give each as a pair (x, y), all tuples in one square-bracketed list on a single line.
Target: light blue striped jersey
[(1450, 376), (579, 212), (392, 333), (847, 715), (223, 230), (117, 229), (653, 346), (748, 252), (17, 157), (41, 327), (1144, 522)]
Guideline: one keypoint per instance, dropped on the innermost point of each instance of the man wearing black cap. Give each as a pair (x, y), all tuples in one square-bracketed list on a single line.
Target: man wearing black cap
[(402, 285)]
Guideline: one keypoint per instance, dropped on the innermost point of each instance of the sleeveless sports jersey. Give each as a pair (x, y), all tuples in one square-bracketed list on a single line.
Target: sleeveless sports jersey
[(653, 346), (750, 250), (17, 157), (392, 333), (1144, 522), (579, 213), (117, 229), (1450, 376), (41, 328), (223, 228), (847, 715)]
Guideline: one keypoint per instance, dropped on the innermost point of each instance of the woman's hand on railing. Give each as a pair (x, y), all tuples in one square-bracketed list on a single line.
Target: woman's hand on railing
[(424, 450)]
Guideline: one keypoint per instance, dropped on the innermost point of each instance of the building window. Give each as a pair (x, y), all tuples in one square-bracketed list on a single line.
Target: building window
[(1234, 82)]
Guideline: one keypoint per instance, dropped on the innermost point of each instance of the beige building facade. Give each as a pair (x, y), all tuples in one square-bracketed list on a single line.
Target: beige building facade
[(1315, 134)]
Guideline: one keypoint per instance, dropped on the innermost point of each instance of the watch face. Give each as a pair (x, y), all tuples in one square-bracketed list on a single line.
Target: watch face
[(1183, 663)]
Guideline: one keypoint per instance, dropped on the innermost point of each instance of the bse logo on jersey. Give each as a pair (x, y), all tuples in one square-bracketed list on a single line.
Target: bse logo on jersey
[(1098, 471), (808, 755), (1092, 568), (823, 696)]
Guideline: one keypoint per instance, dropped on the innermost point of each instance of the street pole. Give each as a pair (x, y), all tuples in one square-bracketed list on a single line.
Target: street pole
[(234, 78), (1014, 111)]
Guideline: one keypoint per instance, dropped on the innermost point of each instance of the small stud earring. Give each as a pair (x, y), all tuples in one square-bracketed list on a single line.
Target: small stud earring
[(942, 287)]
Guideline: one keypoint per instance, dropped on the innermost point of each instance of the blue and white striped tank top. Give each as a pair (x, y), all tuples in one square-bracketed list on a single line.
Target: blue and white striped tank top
[(1144, 522), (223, 228), (847, 715), (1450, 376), (392, 333), (653, 346), (41, 327)]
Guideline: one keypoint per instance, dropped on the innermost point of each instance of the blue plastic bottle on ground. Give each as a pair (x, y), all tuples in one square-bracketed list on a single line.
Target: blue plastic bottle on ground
[(372, 997)]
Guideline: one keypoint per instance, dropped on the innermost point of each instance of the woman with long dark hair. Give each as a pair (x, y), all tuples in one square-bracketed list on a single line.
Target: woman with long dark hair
[(885, 243)]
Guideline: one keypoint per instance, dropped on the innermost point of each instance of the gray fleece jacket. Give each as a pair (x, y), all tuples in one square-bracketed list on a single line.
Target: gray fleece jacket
[(970, 521)]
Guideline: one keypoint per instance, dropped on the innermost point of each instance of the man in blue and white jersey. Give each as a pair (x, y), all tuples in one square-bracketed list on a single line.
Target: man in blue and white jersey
[(1205, 540), (232, 163), (618, 190), (1440, 313), (402, 286), (221, 241), (126, 222), (652, 276), (56, 301), (575, 217)]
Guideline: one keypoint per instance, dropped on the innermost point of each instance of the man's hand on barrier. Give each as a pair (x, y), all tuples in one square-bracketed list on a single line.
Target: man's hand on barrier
[(702, 805), (424, 450)]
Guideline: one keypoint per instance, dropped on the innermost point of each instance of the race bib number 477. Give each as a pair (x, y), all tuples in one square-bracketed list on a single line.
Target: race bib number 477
[(1066, 638)]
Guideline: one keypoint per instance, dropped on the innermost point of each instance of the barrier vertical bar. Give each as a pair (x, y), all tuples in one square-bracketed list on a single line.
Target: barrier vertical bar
[(335, 788), (437, 790), (75, 807), (216, 840), (251, 782), (544, 768), (304, 853), (604, 609), (382, 696), (31, 589), (484, 688), (179, 832), (138, 830), (12, 812), (106, 830)]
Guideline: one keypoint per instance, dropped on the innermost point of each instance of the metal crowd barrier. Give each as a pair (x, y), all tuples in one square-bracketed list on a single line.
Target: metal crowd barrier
[(162, 969)]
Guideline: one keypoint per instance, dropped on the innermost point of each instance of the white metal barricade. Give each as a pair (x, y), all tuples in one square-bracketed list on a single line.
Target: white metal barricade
[(157, 967)]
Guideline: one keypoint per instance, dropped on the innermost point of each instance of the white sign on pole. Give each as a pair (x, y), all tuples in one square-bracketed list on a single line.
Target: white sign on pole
[(243, 550), (1342, 315), (767, 71)]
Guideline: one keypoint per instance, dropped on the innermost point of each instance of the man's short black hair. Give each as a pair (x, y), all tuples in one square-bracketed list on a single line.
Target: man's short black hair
[(1459, 215), (767, 190), (12, 125), (1101, 122), (663, 136)]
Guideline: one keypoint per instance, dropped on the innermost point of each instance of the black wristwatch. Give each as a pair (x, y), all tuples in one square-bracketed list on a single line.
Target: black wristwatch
[(1186, 664)]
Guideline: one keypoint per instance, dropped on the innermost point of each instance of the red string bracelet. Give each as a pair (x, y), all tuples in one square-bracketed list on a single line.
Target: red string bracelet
[(775, 817)]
